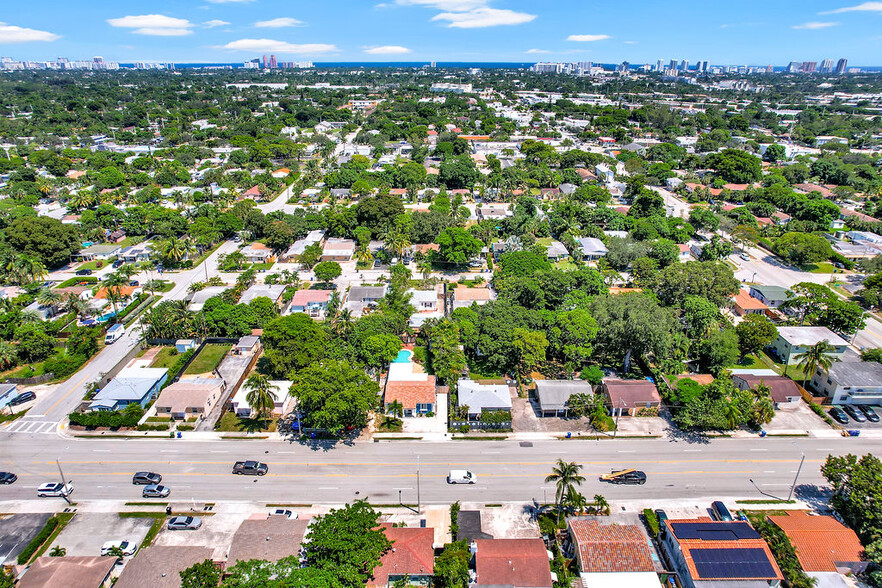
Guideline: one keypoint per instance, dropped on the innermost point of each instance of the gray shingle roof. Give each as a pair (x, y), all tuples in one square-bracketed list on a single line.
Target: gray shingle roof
[(555, 394), (857, 373), (479, 397)]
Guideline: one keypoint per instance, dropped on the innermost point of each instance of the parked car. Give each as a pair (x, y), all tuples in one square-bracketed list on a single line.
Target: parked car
[(721, 513), (7, 478), (54, 489), (155, 491), (127, 547), (744, 256), (184, 523), (282, 512), (250, 468), (146, 478), (630, 477), (85, 272), (22, 398), (661, 515), (461, 477), (118, 264), (838, 415), (134, 283), (854, 413), (869, 413)]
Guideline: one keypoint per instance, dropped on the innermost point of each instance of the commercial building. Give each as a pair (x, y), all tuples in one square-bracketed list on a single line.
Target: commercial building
[(850, 382), (794, 341)]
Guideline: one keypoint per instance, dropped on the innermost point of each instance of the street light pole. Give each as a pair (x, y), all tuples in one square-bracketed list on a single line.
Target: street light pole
[(63, 483), (799, 469), (418, 483)]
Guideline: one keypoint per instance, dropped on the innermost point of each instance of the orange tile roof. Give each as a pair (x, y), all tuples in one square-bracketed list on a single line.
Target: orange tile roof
[(820, 541), (410, 393), (122, 291), (462, 293), (611, 547), (514, 562), (747, 302), (412, 554)]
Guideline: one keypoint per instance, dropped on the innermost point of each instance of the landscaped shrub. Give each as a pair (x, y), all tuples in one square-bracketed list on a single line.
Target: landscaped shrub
[(146, 427), (127, 417), (651, 521), (38, 541)]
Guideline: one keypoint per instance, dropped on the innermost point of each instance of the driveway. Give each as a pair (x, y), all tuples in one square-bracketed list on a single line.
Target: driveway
[(800, 418), (86, 533), (216, 533), (16, 531)]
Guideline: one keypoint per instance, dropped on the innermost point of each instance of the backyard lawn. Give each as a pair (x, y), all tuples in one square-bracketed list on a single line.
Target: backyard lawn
[(231, 423), (208, 359), (166, 358)]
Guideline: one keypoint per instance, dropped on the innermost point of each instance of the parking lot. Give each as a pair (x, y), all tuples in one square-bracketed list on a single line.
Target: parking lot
[(216, 533), (16, 531), (86, 533), (799, 418), (855, 425)]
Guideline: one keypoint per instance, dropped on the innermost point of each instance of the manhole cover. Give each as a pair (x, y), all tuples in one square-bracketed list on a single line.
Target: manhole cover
[(526, 444)]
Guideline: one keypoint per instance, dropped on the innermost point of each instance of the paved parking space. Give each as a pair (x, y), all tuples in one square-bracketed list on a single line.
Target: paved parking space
[(853, 424), (799, 418), (216, 533), (86, 533), (16, 531)]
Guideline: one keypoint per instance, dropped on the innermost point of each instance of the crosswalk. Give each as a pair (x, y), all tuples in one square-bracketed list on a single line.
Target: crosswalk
[(29, 426)]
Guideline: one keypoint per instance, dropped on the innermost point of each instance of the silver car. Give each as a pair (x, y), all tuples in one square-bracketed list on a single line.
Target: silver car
[(155, 491), (184, 523)]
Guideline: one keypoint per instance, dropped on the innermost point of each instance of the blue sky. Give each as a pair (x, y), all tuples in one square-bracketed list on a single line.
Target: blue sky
[(747, 31)]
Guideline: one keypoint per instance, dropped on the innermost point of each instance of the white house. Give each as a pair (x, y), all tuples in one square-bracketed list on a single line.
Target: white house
[(850, 382), (793, 341)]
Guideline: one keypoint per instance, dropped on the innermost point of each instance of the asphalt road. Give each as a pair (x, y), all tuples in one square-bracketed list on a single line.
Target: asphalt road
[(101, 469)]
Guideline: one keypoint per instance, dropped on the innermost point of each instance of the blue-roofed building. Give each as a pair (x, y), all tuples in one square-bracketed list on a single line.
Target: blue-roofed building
[(719, 554), (130, 386)]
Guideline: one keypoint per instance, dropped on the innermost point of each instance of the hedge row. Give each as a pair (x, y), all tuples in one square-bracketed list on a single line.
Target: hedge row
[(127, 417), (38, 541)]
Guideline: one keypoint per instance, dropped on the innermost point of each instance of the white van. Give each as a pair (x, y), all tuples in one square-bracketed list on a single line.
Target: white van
[(461, 477), (114, 333)]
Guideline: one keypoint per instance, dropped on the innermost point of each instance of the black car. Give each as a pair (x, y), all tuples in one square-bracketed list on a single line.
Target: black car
[(854, 413), (721, 513), (869, 413), (631, 478), (118, 264), (7, 478), (22, 398), (85, 272), (146, 478), (838, 415), (134, 283)]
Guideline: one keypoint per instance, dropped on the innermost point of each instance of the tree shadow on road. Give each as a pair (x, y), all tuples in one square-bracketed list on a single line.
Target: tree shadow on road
[(817, 497)]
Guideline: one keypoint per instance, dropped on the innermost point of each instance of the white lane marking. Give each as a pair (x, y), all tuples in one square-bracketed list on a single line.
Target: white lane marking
[(329, 488), (692, 450), (627, 451), (218, 451), (402, 488), (168, 451), (101, 451), (769, 472), (759, 449)]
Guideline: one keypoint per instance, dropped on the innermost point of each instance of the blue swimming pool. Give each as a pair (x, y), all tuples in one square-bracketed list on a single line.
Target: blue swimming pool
[(403, 356)]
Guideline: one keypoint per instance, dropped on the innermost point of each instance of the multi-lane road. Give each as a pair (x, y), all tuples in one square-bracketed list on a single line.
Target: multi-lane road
[(101, 469)]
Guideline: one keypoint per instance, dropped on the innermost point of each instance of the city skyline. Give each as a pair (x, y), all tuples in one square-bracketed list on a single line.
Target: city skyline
[(230, 31)]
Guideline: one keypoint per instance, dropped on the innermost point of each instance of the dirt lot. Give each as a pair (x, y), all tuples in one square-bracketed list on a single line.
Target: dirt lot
[(86, 533)]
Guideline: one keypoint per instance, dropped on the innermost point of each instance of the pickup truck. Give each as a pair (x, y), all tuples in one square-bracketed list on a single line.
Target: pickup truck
[(250, 468)]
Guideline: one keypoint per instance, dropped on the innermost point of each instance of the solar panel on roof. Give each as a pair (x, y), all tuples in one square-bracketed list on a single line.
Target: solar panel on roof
[(732, 563), (715, 531)]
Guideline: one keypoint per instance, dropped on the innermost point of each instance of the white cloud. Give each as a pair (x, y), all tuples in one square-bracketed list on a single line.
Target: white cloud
[(12, 34), (448, 5), (484, 17), (537, 51), (157, 25), (587, 38), (272, 46), (814, 26), (278, 23), (387, 50), (210, 24), (630, 42), (865, 7)]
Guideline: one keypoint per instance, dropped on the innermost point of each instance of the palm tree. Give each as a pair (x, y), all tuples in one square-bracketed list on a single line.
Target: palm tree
[(819, 355), (113, 285), (48, 297), (601, 503), (396, 409), (74, 303), (733, 414), (176, 249), (363, 255), (396, 242), (425, 268), (34, 270), (8, 355), (261, 395), (58, 551), (566, 476)]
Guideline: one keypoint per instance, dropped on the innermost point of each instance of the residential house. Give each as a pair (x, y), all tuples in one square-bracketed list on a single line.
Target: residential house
[(719, 554), (43, 312), (793, 341), (685, 252), (272, 291), (611, 555), (464, 297), (103, 252), (7, 393), (481, 398), (624, 397), (338, 250), (190, 397), (136, 253), (299, 246), (554, 395), (784, 391), (131, 385), (408, 384), (361, 297), (492, 212), (247, 345), (822, 543), (521, 563), (282, 405), (411, 558), (557, 251), (427, 304), (257, 253), (199, 298), (68, 572), (604, 173), (850, 382), (160, 566), (267, 539), (592, 248), (311, 302), (771, 296), (743, 304)]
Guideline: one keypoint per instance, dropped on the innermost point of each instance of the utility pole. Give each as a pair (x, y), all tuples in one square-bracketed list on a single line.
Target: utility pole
[(418, 483), (63, 483), (793, 487)]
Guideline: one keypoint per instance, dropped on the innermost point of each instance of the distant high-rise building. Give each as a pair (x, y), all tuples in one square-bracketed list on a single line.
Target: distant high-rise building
[(770, 69), (809, 67), (701, 66), (841, 66), (273, 63), (673, 65), (827, 66), (265, 62), (660, 65), (684, 65), (793, 67)]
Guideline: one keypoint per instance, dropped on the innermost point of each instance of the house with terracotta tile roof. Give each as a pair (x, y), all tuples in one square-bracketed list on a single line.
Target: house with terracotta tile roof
[(464, 297), (718, 554), (822, 543), (253, 192), (605, 547), (412, 556), (523, 563), (743, 304), (415, 397)]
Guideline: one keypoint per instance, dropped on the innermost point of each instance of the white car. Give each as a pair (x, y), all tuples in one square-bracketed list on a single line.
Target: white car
[(282, 512), (54, 489), (461, 477), (127, 547)]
